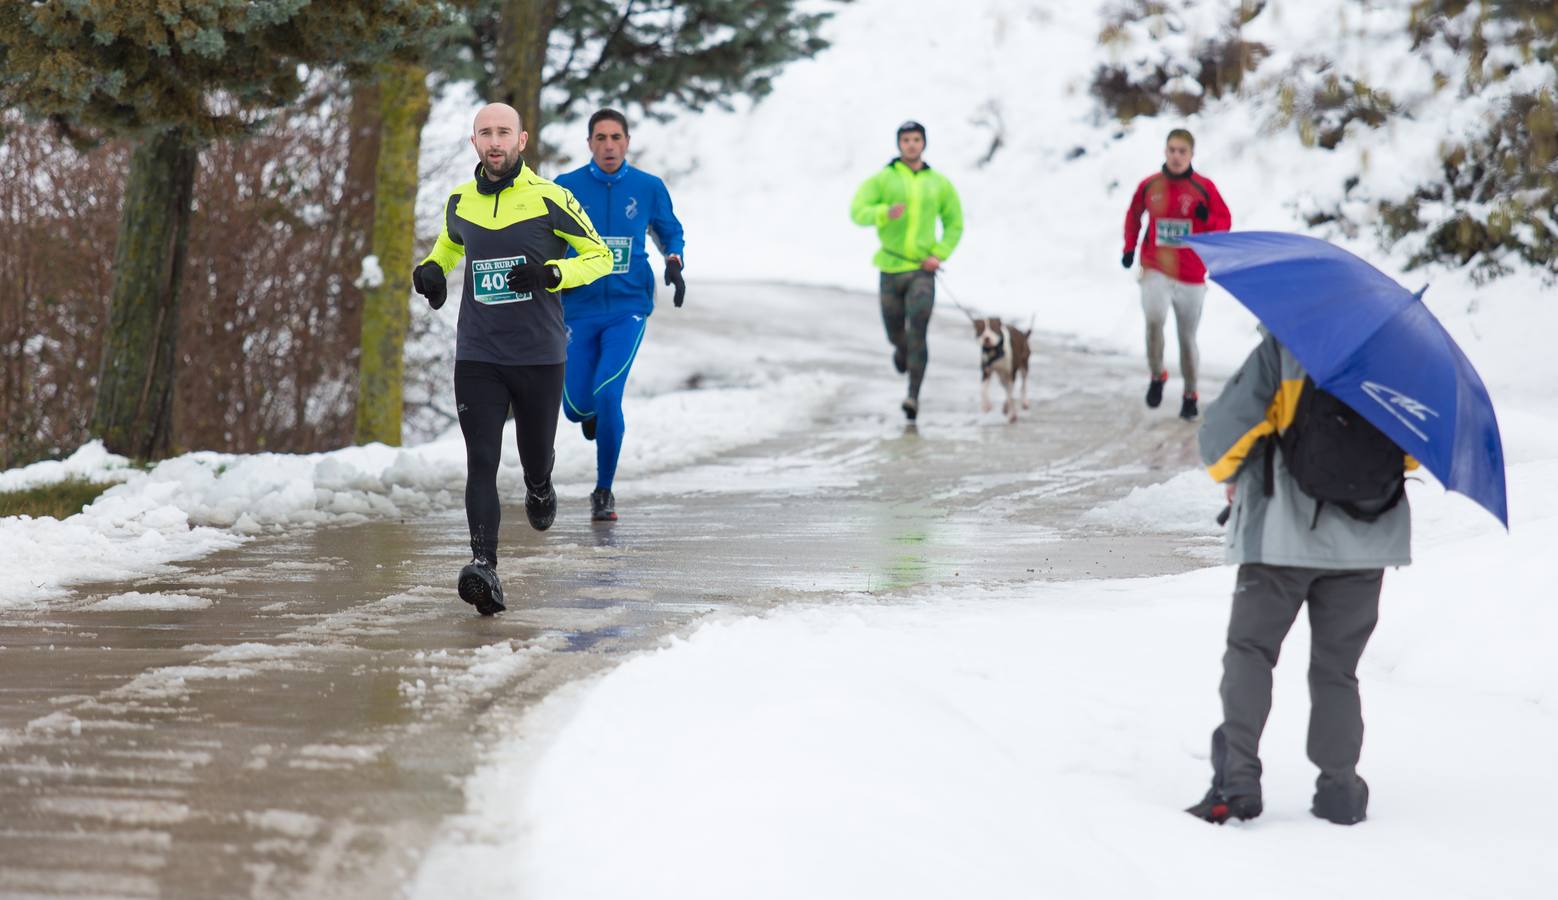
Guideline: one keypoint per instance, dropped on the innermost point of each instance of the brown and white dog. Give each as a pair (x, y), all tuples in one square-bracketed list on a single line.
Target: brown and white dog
[(1003, 352)]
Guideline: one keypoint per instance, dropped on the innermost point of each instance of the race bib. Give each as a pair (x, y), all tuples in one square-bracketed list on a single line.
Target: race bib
[(621, 253), (1172, 232), (489, 281)]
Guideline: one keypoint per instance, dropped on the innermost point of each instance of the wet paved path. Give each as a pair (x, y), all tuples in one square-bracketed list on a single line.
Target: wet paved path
[(304, 735)]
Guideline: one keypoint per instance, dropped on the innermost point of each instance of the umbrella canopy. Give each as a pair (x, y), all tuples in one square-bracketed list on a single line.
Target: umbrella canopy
[(1373, 344)]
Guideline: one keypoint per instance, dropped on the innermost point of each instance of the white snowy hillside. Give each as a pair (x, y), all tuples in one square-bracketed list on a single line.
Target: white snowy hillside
[(765, 191)]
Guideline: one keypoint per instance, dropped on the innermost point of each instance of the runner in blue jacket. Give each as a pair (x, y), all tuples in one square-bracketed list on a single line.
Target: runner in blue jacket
[(607, 319)]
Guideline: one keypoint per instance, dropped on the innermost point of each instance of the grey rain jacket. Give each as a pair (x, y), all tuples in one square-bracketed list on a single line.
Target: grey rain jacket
[(1259, 402)]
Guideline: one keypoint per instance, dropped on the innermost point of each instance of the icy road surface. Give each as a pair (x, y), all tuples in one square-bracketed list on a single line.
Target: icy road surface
[(294, 717)]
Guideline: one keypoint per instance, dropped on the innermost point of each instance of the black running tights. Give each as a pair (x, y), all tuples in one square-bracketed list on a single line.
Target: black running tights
[(483, 394)]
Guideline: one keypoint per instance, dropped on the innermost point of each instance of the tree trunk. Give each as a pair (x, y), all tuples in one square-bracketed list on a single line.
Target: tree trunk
[(403, 105), (521, 64), (133, 411), (354, 233)]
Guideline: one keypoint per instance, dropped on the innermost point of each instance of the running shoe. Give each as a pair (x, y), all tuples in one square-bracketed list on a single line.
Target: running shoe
[(603, 506), (1155, 390), (479, 586), (541, 505)]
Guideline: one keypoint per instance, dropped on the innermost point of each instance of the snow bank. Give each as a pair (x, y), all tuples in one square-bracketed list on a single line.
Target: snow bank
[(198, 503), (1039, 742), (91, 462)]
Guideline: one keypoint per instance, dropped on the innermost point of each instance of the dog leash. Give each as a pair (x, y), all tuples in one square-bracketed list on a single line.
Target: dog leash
[(938, 276), (954, 300), (953, 297)]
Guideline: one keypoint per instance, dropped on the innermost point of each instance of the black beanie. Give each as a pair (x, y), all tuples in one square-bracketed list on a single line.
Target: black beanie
[(911, 125)]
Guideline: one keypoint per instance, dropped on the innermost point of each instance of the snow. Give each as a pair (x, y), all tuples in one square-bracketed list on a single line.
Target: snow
[(372, 274), (1042, 740), (139, 601), (1042, 243), (1044, 230), (1029, 740), (283, 821), (195, 504), (90, 462)]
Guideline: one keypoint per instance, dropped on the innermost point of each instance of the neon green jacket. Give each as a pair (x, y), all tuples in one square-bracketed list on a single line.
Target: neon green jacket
[(495, 225), (926, 195)]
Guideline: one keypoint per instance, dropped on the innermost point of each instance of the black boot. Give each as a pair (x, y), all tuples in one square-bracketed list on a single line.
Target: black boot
[(901, 359), (1187, 408), (603, 506), (1217, 809), (479, 586), (1341, 802), (911, 409), (588, 427), (541, 505)]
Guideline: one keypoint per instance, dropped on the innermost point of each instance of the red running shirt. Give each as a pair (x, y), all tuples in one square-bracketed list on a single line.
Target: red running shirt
[(1170, 204)]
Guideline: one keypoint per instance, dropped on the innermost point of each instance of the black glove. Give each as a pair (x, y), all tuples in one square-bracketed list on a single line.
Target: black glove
[(1202, 212), (1127, 259), (530, 277), (428, 280), (673, 276)]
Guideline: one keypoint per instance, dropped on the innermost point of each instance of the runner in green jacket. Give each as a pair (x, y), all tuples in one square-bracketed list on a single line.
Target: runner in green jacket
[(904, 201)]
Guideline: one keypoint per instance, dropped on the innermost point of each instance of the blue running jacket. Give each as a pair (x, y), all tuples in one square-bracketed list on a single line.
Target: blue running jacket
[(625, 207)]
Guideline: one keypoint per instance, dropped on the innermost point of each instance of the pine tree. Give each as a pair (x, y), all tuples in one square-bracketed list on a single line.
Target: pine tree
[(550, 58), (1496, 199), (168, 77)]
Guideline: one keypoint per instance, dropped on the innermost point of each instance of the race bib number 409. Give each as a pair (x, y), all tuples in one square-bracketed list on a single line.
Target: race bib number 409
[(489, 281), (1172, 232), (621, 253)]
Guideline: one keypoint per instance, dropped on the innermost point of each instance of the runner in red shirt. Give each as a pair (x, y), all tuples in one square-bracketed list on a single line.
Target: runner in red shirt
[(1178, 201)]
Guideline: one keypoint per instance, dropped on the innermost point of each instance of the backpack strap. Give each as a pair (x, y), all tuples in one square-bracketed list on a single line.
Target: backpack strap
[(1271, 465)]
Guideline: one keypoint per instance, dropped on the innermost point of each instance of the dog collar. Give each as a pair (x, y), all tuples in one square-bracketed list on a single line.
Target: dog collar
[(988, 355)]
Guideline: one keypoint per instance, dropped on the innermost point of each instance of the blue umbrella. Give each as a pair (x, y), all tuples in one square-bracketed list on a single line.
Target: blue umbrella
[(1373, 344)]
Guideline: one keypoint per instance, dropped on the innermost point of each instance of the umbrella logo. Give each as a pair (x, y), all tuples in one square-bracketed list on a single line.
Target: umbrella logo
[(1400, 406)]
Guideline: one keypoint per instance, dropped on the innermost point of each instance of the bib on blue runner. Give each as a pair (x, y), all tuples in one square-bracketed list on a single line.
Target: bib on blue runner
[(1172, 232), (621, 253), (489, 281)]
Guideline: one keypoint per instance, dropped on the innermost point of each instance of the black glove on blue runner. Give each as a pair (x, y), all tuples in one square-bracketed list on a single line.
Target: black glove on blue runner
[(673, 276)]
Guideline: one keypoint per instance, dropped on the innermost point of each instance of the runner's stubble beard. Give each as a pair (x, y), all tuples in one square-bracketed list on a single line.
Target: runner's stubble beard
[(510, 159)]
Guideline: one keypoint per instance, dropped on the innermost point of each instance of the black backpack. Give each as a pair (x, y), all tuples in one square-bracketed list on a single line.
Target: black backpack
[(1338, 457)]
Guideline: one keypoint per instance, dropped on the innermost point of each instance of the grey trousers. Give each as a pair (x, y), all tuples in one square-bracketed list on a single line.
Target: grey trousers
[(1343, 609), (1159, 293), (907, 301)]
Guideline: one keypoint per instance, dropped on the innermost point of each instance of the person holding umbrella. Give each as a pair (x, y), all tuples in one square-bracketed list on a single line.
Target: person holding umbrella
[(1310, 437), (1334, 563)]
